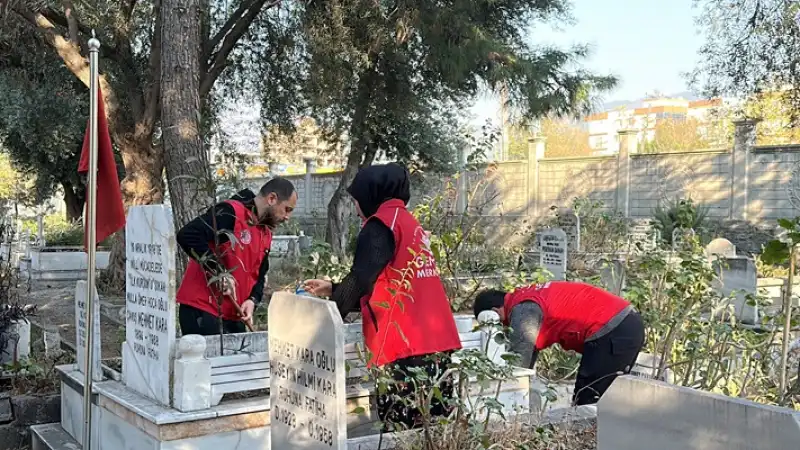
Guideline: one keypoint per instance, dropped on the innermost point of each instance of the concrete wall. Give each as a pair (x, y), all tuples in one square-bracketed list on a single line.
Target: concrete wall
[(746, 183)]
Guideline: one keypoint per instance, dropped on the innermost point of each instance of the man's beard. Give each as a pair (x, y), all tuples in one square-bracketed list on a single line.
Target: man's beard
[(269, 218)]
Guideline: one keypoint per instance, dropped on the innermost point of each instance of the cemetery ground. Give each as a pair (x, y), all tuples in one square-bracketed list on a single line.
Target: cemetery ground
[(713, 333)]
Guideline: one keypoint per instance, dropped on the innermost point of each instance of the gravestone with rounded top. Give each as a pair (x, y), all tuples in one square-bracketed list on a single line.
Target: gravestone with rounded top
[(720, 247)]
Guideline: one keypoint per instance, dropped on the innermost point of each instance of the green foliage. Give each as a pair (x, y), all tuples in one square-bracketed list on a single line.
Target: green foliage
[(777, 251), (692, 329), (602, 229), (680, 213), (395, 77), (322, 261), (751, 47), (43, 113)]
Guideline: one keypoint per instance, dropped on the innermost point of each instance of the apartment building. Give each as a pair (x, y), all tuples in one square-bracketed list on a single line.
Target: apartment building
[(604, 127)]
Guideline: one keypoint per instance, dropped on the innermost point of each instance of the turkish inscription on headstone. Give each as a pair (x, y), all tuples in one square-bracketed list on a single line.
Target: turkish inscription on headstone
[(307, 379), (148, 351), (553, 252), (82, 330), (571, 224), (643, 236)]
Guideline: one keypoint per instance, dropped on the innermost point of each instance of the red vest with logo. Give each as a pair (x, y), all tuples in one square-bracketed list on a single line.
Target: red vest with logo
[(408, 313), (243, 259), (572, 312)]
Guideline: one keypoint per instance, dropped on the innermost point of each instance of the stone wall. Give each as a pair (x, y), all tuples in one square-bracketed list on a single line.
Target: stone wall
[(746, 183)]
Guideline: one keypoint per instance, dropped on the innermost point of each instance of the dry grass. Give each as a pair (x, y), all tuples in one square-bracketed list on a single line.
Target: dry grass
[(507, 436)]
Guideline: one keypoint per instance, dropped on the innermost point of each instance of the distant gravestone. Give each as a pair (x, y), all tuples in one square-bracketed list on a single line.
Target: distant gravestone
[(720, 247), (571, 224), (307, 380), (737, 279), (680, 236), (553, 252), (149, 347), (643, 235), (82, 330)]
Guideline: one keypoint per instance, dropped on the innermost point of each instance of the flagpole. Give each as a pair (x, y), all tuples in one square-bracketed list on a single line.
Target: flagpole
[(91, 244)]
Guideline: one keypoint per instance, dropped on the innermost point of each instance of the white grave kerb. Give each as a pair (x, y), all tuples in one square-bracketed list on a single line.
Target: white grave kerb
[(307, 381), (553, 252), (81, 330), (149, 348)]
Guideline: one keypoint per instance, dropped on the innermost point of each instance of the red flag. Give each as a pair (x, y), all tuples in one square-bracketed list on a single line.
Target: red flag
[(110, 210)]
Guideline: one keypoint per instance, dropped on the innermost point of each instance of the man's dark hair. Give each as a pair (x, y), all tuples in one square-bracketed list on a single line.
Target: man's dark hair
[(282, 188), (488, 299)]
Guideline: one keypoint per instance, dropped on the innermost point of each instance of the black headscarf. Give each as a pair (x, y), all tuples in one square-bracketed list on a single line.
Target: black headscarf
[(374, 185)]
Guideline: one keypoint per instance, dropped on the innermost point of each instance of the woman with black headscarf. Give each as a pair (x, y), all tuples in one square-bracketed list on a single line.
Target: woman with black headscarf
[(407, 321)]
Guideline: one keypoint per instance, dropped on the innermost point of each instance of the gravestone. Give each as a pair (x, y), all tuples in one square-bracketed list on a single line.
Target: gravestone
[(720, 247), (680, 236), (82, 330), (738, 278), (307, 380), (643, 235), (553, 252), (148, 350), (571, 224)]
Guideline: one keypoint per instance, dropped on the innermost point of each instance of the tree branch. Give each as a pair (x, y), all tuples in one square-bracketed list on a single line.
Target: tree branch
[(153, 91), (230, 34), (72, 20)]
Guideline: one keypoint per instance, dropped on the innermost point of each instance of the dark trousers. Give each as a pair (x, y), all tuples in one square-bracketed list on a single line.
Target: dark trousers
[(604, 358), (195, 321), (393, 405)]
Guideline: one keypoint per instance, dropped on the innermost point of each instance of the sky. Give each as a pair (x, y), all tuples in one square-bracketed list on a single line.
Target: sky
[(646, 44)]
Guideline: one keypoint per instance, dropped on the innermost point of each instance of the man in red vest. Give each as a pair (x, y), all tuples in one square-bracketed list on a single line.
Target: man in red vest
[(602, 327), (241, 265), (394, 282)]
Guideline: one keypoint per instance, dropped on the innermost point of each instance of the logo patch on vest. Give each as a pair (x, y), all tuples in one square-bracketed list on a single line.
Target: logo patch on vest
[(424, 262), (245, 237)]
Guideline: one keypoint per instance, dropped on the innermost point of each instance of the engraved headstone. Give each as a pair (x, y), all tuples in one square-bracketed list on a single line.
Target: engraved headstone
[(149, 348), (571, 224), (82, 330), (307, 380), (553, 252), (643, 236)]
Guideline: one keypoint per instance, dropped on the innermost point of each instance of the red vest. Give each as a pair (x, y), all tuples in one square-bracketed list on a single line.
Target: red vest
[(243, 259), (408, 313), (572, 312)]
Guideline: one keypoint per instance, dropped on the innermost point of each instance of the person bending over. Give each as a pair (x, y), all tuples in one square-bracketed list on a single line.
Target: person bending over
[(603, 328)]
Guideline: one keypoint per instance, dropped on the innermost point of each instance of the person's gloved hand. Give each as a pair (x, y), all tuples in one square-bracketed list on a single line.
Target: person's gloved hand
[(318, 288)]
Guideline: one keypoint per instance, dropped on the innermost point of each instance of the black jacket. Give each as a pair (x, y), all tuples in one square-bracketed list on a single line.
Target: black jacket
[(194, 237), (375, 244)]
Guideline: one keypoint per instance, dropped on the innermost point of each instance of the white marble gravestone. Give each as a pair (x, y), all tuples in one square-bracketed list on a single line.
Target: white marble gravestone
[(643, 235), (553, 252), (720, 247), (81, 330), (148, 350), (307, 380), (571, 224)]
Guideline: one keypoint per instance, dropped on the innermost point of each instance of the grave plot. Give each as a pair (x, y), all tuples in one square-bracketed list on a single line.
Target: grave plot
[(205, 392)]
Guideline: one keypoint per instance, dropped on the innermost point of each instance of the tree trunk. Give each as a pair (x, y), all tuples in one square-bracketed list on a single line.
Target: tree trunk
[(361, 154), (73, 201), (143, 185), (191, 187)]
